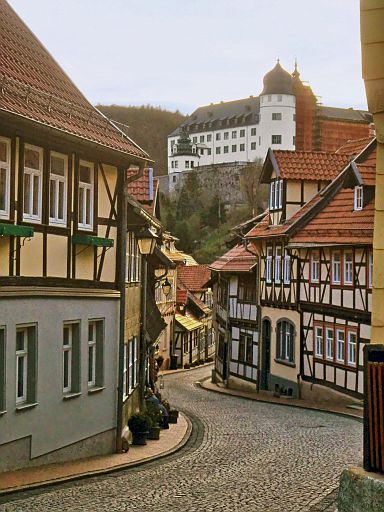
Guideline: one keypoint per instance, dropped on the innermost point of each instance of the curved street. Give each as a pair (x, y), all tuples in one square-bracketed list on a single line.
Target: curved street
[(244, 455)]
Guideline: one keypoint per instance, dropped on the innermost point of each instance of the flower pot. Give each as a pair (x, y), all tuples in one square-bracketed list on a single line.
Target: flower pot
[(139, 438), (173, 415), (154, 433)]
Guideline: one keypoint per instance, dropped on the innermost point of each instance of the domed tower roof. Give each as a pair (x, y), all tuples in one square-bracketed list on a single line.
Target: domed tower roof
[(277, 81), (184, 145)]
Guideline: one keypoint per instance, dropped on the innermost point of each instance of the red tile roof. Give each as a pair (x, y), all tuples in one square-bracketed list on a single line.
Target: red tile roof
[(368, 174), (181, 296), (237, 259), (310, 165), (139, 188), (194, 277), (34, 86), (354, 146), (338, 223)]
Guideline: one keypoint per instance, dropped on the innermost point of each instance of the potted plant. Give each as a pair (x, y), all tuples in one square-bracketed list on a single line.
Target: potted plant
[(155, 418), (139, 425)]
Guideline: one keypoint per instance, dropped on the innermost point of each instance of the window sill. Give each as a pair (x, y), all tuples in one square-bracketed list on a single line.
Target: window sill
[(25, 407), (95, 389), (285, 363), (69, 396), (2, 413)]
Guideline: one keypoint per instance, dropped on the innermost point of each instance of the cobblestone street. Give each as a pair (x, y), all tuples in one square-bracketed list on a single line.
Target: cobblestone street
[(244, 456)]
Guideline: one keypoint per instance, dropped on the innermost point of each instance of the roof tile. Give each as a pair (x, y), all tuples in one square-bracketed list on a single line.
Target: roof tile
[(237, 259)]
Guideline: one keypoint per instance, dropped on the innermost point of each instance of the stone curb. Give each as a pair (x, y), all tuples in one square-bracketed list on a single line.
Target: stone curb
[(90, 474), (233, 393), (181, 370)]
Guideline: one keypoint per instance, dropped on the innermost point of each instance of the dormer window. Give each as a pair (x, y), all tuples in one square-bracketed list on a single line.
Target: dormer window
[(358, 198), (276, 195)]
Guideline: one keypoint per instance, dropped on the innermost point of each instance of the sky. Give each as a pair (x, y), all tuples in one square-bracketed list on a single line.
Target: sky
[(181, 54)]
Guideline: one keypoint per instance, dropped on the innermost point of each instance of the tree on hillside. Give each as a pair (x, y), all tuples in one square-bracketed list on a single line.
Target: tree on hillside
[(189, 198), (256, 193)]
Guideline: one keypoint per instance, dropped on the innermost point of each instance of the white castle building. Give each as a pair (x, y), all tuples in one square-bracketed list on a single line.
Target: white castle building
[(243, 130)]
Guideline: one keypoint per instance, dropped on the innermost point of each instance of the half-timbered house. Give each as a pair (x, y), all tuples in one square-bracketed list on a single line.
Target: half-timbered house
[(63, 230), (236, 319)]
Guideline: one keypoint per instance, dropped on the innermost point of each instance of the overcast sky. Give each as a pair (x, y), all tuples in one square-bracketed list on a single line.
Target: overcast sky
[(180, 54)]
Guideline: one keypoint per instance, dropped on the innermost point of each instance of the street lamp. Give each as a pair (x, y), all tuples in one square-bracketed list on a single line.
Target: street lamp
[(146, 240), (166, 287)]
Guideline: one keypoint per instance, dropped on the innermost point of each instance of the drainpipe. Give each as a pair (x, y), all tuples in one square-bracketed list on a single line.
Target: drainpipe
[(143, 343)]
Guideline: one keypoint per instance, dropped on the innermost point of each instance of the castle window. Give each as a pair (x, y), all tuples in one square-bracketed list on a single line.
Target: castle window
[(5, 169), (201, 138), (276, 139), (226, 149), (285, 349), (234, 148), (172, 164), (279, 97), (187, 164), (209, 137), (253, 132), (259, 140), (174, 179), (358, 198), (226, 135), (294, 140), (253, 146), (234, 134), (209, 151), (192, 164), (218, 151), (33, 171), (176, 164), (294, 117), (194, 140), (242, 147), (276, 116), (269, 98), (218, 136), (242, 133)]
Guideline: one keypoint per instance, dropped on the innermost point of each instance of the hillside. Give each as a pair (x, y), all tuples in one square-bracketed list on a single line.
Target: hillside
[(149, 127)]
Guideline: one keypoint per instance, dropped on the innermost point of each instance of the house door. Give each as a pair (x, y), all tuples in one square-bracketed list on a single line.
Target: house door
[(266, 355)]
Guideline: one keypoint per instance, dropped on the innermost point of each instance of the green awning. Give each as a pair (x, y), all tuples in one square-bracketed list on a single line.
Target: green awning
[(15, 230), (95, 241)]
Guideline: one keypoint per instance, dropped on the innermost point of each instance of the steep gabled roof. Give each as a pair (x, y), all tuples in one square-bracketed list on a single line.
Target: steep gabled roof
[(33, 86), (193, 277), (354, 146), (237, 259), (345, 114), (303, 165)]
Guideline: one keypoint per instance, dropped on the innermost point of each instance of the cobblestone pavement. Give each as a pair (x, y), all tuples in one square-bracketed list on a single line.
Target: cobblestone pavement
[(244, 456)]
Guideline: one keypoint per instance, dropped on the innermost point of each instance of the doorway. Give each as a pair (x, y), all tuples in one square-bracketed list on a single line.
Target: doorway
[(266, 354)]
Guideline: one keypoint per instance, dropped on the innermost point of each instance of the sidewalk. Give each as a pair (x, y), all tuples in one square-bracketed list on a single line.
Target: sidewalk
[(170, 441), (181, 370), (264, 396)]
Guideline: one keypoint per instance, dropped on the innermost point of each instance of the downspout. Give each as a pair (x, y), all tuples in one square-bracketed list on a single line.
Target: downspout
[(122, 182)]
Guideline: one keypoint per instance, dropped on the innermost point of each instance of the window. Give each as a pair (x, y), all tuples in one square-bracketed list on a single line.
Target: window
[(242, 147), (315, 267), (280, 203), (26, 363), (187, 164), (253, 146), (276, 116), (226, 149), (352, 343), (294, 140), (318, 341), (209, 151), (259, 140), (222, 293), (278, 265), (242, 133), (133, 259), (218, 150), (193, 163), (348, 268), (125, 371), (294, 118), (234, 148), (95, 353), (172, 164), (5, 176), (209, 138), (202, 138), (2, 369), (253, 132), (358, 198), (336, 268), (287, 268), (174, 179), (276, 139), (340, 345), (370, 269), (246, 348), (194, 140), (33, 170), (226, 135), (234, 134), (242, 348), (279, 97), (276, 195), (268, 265), (272, 195), (329, 343), (218, 136), (58, 188), (176, 164), (247, 289), (71, 357), (269, 98), (285, 341), (86, 176)]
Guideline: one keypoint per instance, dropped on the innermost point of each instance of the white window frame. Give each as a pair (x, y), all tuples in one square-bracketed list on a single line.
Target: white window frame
[(287, 268), (319, 340), (277, 193), (130, 366), (348, 268), (351, 347), (33, 173), (6, 166), (135, 361), (329, 341), (86, 187), (22, 354), (268, 265), (57, 179), (253, 132), (133, 259), (277, 116), (272, 196), (125, 371), (280, 182), (92, 346), (68, 349), (278, 253), (340, 345), (276, 137), (315, 266), (358, 198), (336, 264), (370, 269)]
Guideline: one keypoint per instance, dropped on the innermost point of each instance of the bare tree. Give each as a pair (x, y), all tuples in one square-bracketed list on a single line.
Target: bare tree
[(255, 192)]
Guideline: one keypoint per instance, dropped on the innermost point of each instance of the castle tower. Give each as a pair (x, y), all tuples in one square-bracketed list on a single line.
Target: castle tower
[(184, 157), (277, 111)]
